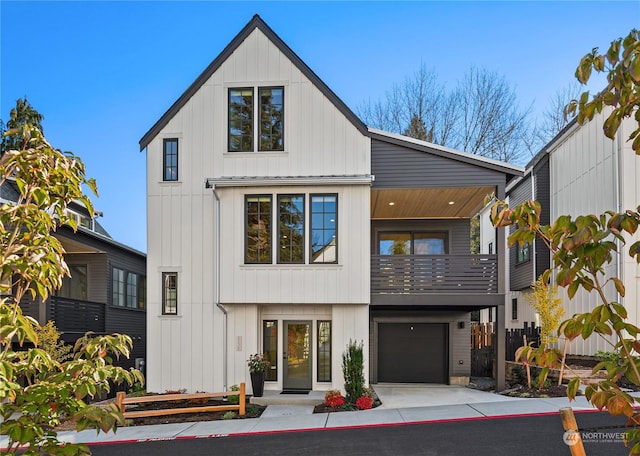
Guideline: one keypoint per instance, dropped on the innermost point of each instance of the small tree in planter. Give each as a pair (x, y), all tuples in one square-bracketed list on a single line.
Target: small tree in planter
[(353, 371)]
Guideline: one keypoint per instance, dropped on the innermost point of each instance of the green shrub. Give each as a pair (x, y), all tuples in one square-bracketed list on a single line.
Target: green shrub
[(234, 398), (229, 415), (353, 371)]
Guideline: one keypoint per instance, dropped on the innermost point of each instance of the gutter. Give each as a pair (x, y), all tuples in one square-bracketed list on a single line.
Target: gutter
[(217, 283)]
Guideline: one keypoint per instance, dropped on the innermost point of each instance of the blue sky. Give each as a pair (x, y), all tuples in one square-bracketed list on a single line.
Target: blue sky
[(102, 73)]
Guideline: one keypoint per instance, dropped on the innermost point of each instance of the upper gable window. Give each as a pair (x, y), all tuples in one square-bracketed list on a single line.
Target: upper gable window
[(170, 159), (256, 122)]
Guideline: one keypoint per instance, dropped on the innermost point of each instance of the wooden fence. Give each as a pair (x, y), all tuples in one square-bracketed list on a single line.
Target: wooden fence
[(122, 401), (483, 342)]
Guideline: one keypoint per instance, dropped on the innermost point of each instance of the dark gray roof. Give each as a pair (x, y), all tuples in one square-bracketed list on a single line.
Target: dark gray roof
[(256, 22)]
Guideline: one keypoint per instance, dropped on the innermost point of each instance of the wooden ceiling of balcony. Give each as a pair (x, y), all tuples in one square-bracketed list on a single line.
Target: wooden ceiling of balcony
[(427, 203)]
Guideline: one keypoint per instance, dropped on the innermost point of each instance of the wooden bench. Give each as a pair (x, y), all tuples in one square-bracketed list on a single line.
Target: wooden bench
[(122, 401)]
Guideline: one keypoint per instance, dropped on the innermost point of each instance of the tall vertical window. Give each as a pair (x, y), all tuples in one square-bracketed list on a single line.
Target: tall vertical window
[(241, 120), (291, 228), (169, 293), (490, 314), (118, 287), (142, 292), (523, 252), (270, 347), (170, 159), (258, 229), (324, 235), (271, 118), (324, 351), (514, 309), (132, 290)]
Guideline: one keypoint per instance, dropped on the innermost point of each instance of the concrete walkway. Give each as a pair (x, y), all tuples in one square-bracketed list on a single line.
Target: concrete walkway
[(400, 404)]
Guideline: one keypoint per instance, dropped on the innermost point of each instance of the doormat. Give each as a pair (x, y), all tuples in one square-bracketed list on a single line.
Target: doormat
[(295, 392)]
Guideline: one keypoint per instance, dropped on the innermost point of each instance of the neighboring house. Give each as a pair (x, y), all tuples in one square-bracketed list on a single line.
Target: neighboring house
[(106, 292), (579, 172), (283, 225)]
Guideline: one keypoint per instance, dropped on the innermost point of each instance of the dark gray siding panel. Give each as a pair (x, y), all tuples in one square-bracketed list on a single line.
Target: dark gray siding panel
[(395, 166), (97, 274), (543, 195), (458, 232), (521, 275)]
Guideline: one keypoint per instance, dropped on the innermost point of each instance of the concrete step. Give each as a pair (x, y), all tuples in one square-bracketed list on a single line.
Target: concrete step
[(277, 398)]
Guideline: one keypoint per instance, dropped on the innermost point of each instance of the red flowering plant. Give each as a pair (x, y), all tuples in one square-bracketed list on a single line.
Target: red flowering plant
[(364, 403), (333, 399)]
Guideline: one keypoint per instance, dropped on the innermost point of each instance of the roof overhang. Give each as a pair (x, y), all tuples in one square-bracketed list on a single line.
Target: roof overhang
[(264, 181)]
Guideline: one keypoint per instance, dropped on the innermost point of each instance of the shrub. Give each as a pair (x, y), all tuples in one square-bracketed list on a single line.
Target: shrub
[(353, 370), (234, 398), (229, 415), (364, 403), (333, 398)]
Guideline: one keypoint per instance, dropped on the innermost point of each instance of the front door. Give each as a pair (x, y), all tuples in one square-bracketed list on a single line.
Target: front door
[(297, 355)]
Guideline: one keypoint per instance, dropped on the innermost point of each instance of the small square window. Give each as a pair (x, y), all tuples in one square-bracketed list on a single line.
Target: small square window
[(169, 293)]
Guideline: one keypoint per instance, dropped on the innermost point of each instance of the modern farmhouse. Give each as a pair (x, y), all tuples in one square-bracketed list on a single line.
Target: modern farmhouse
[(279, 223)]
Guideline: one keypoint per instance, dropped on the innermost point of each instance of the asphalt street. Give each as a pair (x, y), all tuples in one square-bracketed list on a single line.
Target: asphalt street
[(522, 436)]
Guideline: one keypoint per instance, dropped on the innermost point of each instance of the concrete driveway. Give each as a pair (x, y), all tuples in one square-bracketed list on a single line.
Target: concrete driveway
[(396, 396)]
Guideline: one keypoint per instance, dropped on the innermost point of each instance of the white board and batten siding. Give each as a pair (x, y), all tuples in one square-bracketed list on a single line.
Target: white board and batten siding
[(186, 351), (591, 174)]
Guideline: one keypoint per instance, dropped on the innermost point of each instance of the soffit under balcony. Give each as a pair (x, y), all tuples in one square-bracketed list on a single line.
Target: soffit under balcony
[(427, 203)]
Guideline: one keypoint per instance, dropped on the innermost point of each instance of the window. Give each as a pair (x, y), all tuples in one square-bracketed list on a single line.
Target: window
[(271, 117), (118, 287), (75, 287), (490, 248), (490, 314), (142, 292), (514, 309), (324, 351), (169, 293), (324, 240), (412, 243), (269, 123), (270, 347), (523, 252), (258, 229), (291, 228), (132, 290), (170, 159)]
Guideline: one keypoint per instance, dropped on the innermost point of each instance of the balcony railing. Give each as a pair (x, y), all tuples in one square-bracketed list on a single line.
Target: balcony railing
[(429, 274), (74, 316)]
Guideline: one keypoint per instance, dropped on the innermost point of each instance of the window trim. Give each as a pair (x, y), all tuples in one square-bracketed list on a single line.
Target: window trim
[(311, 262), (165, 166), (165, 298)]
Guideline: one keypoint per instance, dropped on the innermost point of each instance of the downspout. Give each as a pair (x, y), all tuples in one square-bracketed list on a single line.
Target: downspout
[(217, 283)]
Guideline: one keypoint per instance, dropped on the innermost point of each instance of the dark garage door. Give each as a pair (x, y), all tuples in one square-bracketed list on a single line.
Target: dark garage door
[(412, 352)]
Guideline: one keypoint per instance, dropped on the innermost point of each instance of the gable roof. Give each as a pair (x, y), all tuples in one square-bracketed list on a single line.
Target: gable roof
[(255, 23)]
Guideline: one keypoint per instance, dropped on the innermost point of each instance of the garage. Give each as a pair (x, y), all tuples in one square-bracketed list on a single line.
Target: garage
[(413, 352)]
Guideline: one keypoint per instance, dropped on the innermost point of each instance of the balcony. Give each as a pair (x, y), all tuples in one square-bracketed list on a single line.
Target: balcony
[(409, 279), (74, 317)]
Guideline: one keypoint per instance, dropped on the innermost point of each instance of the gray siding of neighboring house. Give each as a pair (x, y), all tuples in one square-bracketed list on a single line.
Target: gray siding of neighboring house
[(458, 232), (543, 195), (521, 275), (100, 274), (395, 166)]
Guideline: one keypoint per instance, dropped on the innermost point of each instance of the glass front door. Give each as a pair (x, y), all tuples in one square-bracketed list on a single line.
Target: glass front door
[(297, 355)]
